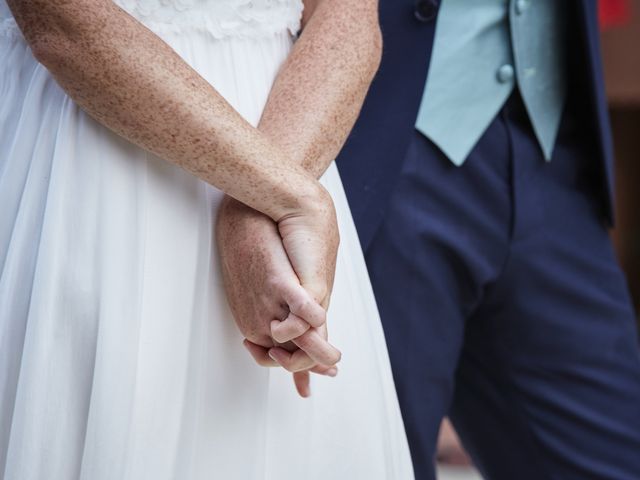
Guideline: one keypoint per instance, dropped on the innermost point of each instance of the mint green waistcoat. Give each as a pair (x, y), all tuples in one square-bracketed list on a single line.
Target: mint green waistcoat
[(482, 50)]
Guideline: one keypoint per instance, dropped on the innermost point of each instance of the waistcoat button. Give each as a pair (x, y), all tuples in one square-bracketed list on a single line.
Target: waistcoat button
[(505, 73), (426, 10)]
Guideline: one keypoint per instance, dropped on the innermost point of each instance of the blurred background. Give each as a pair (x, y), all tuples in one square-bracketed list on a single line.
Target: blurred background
[(620, 33), (621, 56)]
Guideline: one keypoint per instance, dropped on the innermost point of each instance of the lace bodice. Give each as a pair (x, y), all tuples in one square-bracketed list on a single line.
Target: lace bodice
[(219, 18)]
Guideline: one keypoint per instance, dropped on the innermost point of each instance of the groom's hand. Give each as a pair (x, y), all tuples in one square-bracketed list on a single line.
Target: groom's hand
[(262, 290)]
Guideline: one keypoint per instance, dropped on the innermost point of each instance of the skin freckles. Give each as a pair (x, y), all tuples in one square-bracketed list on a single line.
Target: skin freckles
[(133, 83), (321, 86), (323, 82)]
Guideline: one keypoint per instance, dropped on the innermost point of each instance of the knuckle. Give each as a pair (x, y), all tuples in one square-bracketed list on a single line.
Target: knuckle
[(300, 304), (259, 338)]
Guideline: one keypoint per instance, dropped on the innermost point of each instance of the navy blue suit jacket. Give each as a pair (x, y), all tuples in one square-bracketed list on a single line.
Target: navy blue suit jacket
[(372, 157)]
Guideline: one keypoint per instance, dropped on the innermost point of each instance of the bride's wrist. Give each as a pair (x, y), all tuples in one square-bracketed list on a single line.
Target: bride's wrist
[(306, 196), (233, 213)]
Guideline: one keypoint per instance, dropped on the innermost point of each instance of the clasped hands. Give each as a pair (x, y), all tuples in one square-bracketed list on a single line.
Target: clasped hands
[(278, 280)]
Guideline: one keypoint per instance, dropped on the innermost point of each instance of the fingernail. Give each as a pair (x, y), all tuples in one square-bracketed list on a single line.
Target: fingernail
[(332, 372)]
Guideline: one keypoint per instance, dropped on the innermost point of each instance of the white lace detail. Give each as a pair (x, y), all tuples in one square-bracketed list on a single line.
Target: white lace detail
[(220, 18)]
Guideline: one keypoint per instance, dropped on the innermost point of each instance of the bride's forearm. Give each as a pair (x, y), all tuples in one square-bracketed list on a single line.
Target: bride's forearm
[(132, 82), (320, 89)]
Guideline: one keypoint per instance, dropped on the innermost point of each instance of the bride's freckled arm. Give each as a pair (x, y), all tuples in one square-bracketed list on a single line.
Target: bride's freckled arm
[(311, 108), (132, 82), (321, 87)]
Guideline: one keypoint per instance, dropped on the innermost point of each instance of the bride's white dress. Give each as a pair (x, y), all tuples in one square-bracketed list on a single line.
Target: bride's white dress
[(119, 358)]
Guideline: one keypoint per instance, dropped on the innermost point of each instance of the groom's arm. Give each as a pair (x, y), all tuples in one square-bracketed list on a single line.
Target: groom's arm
[(312, 107)]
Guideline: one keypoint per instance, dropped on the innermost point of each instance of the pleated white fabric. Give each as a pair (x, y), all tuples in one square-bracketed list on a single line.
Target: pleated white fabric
[(119, 358)]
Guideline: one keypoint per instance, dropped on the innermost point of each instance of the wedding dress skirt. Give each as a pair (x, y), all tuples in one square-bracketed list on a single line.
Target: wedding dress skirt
[(119, 357)]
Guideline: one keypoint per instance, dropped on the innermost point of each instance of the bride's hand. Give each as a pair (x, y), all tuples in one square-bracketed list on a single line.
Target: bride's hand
[(288, 356), (310, 238), (262, 289)]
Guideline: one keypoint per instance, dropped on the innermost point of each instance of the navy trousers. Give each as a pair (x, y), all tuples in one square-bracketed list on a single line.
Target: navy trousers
[(504, 307)]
